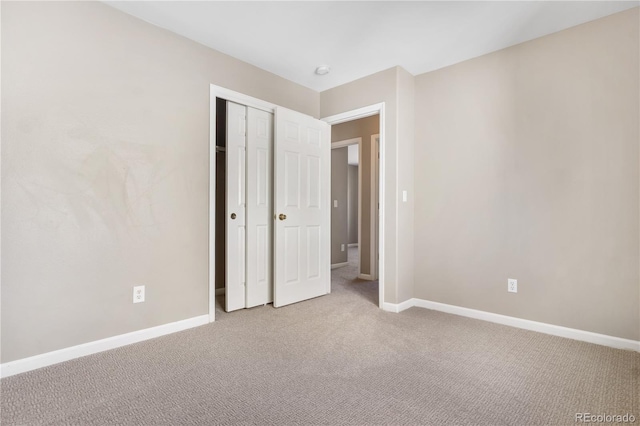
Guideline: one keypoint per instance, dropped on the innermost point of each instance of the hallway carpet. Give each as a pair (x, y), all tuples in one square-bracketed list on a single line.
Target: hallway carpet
[(333, 360)]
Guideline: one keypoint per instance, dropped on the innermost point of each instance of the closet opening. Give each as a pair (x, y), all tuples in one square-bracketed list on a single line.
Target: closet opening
[(244, 206), (355, 205), (269, 220), (220, 201)]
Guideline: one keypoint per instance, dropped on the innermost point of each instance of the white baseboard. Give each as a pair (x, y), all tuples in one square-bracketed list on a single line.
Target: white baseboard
[(43, 360), (353, 244), (365, 277), (339, 265), (220, 291), (398, 307), (555, 330)]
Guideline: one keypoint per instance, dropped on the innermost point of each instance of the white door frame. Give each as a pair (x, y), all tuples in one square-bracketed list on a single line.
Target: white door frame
[(375, 210), (354, 115), (229, 95), (343, 144)]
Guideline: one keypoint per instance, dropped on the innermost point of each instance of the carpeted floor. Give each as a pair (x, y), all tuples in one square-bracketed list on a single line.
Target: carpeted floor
[(333, 360)]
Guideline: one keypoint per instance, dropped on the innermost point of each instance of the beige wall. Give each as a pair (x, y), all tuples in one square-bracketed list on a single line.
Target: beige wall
[(527, 167), (389, 86), (362, 128), (105, 171), (339, 217), (404, 225)]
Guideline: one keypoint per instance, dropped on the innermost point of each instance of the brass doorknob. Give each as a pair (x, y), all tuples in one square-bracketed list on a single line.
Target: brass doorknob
[(282, 216), (233, 215)]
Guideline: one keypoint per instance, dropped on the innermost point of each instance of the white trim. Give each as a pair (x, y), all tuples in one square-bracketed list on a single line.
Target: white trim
[(360, 151), (220, 291), (540, 327), (229, 95), (367, 277), (43, 360), (338, 265), (346, 142), (354, 115), (352, 245), (398, 307), (212, 204), (373, 213), (240, 98)]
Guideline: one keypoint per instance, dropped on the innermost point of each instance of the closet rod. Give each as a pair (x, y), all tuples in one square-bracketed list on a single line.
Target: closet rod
[(220, 149)]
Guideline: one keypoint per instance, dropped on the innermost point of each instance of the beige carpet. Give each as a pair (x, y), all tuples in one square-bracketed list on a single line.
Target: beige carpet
[(333, 360)]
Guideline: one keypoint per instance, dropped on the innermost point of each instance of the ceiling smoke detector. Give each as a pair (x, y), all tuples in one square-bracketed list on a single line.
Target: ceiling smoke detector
[(323, 70)]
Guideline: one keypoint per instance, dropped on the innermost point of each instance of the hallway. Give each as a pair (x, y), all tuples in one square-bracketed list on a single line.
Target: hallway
[(345, 279)]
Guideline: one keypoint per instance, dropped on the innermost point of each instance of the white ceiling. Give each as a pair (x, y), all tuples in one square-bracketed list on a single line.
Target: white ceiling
[(359, 38)]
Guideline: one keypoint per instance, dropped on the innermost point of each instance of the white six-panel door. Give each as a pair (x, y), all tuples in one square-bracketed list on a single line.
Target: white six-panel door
[(236, 207), (259, 288), (302, 200)]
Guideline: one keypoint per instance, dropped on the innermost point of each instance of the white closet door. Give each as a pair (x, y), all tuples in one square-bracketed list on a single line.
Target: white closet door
[(302, 201), (236, 206), (259, 207)]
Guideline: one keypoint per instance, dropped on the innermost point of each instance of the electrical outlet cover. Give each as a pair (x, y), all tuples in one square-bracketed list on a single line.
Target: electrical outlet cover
[(138, 294), (512, 285)]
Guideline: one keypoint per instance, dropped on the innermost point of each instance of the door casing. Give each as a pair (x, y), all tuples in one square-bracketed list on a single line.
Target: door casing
[(355, 114)]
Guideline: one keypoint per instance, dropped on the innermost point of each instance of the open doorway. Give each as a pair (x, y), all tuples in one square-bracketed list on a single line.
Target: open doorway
[(354, 209)]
